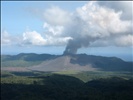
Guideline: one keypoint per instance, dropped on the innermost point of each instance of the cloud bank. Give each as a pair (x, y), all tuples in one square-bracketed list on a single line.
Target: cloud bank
[(94, 24)]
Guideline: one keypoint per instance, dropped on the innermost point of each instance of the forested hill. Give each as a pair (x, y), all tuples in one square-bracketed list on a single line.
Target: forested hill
[(99, 62), (104, 63), (24, 59), (28, 57), (60, 87)]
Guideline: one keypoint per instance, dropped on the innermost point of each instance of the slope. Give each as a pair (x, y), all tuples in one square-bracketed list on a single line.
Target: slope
[(61, 63)]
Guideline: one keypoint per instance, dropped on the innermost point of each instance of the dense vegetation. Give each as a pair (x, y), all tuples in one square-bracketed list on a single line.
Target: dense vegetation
[(49, 86), (114, 82), (103, 63), (55, 88)]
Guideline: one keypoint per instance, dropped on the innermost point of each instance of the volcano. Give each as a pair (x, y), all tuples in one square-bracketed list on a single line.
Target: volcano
[(83, 62), (65, 62), (62, 63)]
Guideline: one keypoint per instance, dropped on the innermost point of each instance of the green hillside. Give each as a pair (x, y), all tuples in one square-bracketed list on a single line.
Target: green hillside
[(62, 87), (98, 62), (24, 59), (35, 85), (104, 63)]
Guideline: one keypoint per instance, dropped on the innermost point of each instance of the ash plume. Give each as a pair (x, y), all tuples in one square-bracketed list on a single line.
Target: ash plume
[(96, 25), (73, 45), (93, 24)]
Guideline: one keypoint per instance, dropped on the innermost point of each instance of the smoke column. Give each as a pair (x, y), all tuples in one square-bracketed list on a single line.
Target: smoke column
[(73, 45), (93, 24)]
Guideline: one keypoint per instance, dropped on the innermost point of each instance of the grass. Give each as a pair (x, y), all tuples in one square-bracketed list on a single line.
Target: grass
[(19, 80), (12, 77), (70, 72), (31, 77), (86, 76), (19, 63), (104, 74)]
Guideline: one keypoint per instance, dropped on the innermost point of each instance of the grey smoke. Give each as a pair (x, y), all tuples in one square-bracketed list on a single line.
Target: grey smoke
[(93, 22), (73, 45)]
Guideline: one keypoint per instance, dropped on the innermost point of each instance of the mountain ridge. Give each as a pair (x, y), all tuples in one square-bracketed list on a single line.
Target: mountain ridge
[(82, 62)]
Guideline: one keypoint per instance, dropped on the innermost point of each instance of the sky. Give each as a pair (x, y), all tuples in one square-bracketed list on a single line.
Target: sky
[(56, 27)]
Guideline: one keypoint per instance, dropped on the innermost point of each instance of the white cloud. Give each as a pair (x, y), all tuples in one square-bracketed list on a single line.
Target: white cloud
[(53, 30), (8, 39), (5, 37), (33, 38), (94, 24), (125, 40), (58, 41), (104, 20), (56, 16), (124, 6), (90, 23), (121, 41)]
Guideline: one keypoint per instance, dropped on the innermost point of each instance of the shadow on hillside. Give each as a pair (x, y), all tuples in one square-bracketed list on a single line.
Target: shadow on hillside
[(61, 87)]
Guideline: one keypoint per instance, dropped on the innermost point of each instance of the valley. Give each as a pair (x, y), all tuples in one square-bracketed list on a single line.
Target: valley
[(69, 77), (35, 85)]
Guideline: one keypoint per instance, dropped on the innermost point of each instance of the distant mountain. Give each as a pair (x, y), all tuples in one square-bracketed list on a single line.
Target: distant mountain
[(28, 57), (78, 62), (103, 63), (24, 59)]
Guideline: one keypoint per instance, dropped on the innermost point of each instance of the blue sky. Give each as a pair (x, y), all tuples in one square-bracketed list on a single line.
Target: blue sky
[(15, 14), (47, 27)]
